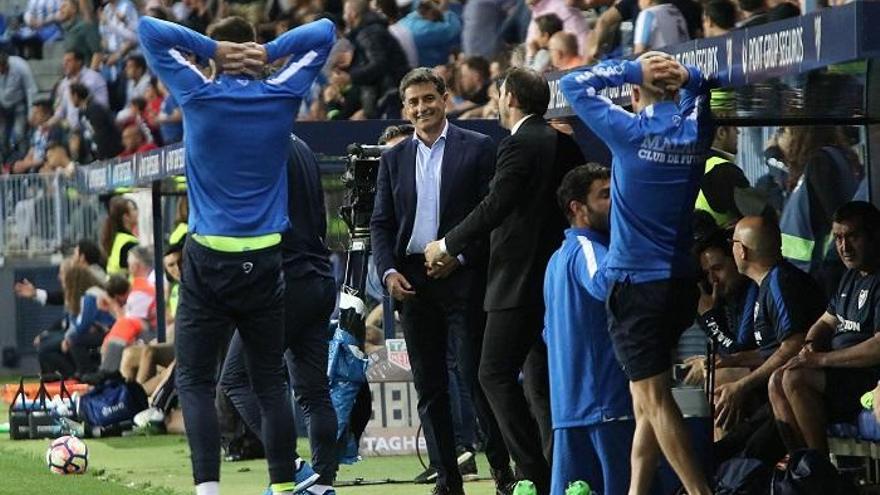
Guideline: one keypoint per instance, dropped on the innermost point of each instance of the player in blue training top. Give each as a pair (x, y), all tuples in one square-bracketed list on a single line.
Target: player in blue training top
[(589, 398), (236, 130), (659, 154)]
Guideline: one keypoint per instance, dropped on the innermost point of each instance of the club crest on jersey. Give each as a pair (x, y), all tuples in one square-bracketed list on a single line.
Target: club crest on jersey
[(863, 296)]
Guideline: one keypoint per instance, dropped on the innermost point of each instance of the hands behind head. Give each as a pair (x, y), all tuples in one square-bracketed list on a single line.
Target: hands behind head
[(241, 58), (661, 73)]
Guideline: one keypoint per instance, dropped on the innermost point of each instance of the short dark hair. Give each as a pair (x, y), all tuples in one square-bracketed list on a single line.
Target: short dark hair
[(393, 131), (530, 89), (235, 29), (79, 90), (90, 251), (77, 55), (422, 75), (117, 285), (43, 104), (549, 24), (388, 8), (718, 239), (722, 13), (139, 102), (576, 184), (863, 212), (478, 64), (138, 60)]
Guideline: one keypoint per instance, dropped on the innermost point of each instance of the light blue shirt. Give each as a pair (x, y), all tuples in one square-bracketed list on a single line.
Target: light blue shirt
[(429, 164)]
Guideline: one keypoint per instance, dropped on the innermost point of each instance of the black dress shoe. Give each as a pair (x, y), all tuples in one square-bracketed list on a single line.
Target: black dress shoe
[(505, 481)]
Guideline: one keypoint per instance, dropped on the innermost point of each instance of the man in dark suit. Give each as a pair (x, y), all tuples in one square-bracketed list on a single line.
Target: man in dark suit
[(426, 185), (526, 227)]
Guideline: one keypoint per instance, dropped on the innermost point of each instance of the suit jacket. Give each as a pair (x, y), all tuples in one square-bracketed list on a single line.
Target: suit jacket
[(521, 213), (467, 167)]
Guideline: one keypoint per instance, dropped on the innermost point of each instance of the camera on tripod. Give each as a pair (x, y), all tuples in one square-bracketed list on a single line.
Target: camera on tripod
[(359, 181)]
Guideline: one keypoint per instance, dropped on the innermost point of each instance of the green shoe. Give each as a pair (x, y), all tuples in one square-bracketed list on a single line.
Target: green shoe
[(525, 487), (578, 488)]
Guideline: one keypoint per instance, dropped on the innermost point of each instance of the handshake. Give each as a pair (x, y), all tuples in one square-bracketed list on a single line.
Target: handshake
[(438, 262), (241, 58)]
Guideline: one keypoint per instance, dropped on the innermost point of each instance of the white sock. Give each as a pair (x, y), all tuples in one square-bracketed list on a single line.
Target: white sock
[(319, 489), (208, 488)]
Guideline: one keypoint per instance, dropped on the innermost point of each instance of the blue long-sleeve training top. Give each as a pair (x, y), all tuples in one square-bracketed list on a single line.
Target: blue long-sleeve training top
[(658, 158), (236, 129)]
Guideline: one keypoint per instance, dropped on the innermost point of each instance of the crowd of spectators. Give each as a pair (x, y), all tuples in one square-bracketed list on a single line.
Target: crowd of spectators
[(469, 43)]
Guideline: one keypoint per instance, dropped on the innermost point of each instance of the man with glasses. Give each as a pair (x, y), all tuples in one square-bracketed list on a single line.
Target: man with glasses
[(788, 303)]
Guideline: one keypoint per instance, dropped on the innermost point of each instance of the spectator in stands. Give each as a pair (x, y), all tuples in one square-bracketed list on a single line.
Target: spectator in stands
[(563, 49), (118, 26), (18, 89), (473, 84), (752, 13), (88, 322), (719, 17), (537, 54), (40, 26), (199, 16), (840, 357), (401, 32), (170, 118), (97, 129), (378, 64), (41, 134), (572, 19), (603, 40), (118, 234), (137, 83), (135, 141), (482, 26), (436, 31), (75, 71), (58, 160), (788, 302), (658, 25), (80, 34)]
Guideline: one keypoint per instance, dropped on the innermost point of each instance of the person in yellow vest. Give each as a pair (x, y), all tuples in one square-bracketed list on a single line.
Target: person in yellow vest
[(180, 226), (722, 177), (118, 235)]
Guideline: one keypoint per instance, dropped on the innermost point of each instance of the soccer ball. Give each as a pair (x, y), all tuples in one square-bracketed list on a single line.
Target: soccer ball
[(67, 455)]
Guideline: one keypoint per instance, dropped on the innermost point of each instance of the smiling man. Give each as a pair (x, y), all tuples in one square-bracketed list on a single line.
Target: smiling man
[(426, 186), (841, 354)]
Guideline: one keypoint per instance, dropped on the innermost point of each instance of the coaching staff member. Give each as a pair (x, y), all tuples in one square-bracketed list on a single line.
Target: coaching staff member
[(425, 186), (526, 227)]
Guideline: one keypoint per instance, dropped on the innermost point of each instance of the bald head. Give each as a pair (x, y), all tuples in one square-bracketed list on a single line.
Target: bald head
[(566, 43), (760, 236)]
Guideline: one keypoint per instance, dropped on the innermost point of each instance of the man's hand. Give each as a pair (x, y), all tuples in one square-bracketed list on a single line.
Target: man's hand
[(444, 268), (65, 346), (729, 399), (434, 254), (707, 299), (399, 287), (240, 58), (25, 289), (660, 72), (807, 358), (697, 373)]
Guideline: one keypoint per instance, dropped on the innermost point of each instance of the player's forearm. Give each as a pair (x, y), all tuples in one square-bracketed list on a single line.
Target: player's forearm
[(820, 331), (316, 35), (863, 355), (787, 350), (158, 36)]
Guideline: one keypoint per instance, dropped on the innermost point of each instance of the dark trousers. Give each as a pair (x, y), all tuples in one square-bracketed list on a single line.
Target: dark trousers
[(218, 292), (308, 303), (51, 358), (438, 308), (84, 352), (512, 342)]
